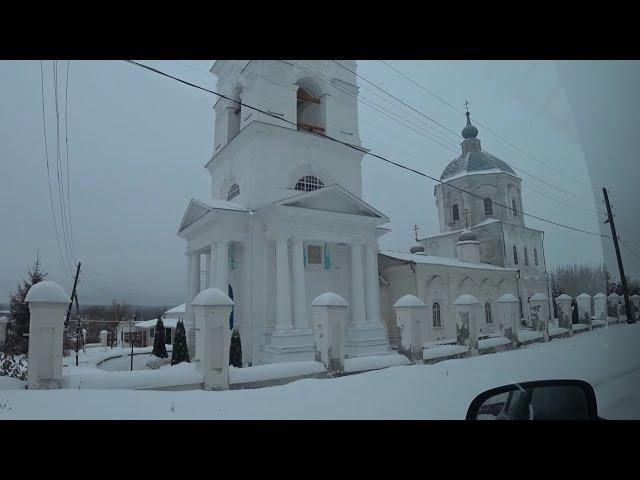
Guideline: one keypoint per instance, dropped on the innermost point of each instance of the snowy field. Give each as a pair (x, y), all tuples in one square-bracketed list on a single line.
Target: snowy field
[(608, 358)]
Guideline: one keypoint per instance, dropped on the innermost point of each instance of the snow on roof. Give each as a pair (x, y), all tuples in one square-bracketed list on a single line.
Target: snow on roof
[(583, 295), (167, 322), (409, 301), (177, 309), (466, 299), (538, 296), (47, 292), (564, 296), (507, 298), (599, 295), (212, 296), (329, 299), (219, 204), (4, 320), (445, 261), (614, 295)]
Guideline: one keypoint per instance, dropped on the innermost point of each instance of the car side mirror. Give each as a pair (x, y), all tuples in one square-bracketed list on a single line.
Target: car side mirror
[(540, 400)]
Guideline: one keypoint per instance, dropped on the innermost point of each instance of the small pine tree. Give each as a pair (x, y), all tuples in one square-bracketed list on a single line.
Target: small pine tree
[(15, 341), (235, 350), (159, 348), (180, 351)]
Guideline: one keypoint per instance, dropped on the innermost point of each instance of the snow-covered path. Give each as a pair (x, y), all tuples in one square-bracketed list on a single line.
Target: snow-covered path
[(608, 358)]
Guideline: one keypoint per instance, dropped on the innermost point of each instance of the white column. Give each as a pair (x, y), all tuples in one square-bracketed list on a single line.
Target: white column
[(283, 293), (211, 272), (372, 284), (300, 318), (357, 285), (222, 266), (193, 287)]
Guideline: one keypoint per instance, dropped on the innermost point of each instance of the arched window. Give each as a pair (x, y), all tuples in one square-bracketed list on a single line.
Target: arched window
[(309, 111), (514, 207), (535, 256), (455, 213), (309, 183), (234, 191), (487, 313), (437, 321), (526, 256), (515, 255), (488, 206)]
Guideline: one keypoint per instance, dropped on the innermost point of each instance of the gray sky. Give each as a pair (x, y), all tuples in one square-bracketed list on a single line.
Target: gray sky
[(138, 144)]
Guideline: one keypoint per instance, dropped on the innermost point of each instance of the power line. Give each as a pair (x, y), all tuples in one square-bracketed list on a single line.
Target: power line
[(66, 142), (360, 149), (422, 87), (584, 198), (527, 186), (628, 247), (46, 154)]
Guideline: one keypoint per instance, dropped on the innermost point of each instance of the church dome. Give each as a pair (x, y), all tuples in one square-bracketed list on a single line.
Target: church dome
[(473, 159), (472, 162)]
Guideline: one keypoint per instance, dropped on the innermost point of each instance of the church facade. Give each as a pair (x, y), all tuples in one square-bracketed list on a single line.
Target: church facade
[(483, 248), (285, 221)]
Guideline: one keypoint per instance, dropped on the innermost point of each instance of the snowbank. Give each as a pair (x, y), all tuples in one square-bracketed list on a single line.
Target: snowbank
[(374, 362), (607, 358)]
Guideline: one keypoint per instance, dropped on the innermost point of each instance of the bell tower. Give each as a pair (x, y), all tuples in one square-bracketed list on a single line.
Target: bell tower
[(266, 153)]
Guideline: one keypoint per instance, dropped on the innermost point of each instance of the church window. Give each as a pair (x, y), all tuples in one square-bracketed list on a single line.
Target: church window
[(455, 213), (526, 256), (314, 254), (514, 208), (488, 206), (152, 332), (515, 255), (437, 321), (309, 111), (234, 191), (309, 183), (487, 313), (233, 119)]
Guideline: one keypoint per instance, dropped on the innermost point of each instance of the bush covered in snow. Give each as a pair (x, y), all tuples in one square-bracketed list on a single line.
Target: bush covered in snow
[(13, 366)]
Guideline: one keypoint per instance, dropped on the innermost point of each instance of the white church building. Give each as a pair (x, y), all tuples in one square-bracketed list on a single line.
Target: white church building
[(285, 221), (483, 247)]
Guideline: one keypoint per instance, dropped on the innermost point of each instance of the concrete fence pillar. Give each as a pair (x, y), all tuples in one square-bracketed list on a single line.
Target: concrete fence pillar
[(613, 301), (539, 303), (467, 316), (564, 312), (584, 309), (212, 309), (600, 307), (508, 315), (104, 335), (48, 304), (411, 320), (635, 306), (329, 312), (3, 329)]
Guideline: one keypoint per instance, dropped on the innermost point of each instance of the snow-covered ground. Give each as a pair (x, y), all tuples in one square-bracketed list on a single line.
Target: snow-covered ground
[(608, 358)]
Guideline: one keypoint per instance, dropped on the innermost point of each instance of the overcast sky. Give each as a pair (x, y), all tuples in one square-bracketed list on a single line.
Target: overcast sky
[(138, 144)]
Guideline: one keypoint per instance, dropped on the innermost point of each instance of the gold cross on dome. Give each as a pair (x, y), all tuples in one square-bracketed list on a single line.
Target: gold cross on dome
[(415, 231), (466, 105)]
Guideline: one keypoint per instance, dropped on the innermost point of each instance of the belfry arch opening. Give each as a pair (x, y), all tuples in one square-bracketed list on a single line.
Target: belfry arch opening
[(310, 109)]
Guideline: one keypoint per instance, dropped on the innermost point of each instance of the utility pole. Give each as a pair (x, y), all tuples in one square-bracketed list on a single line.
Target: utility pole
[(623, 279), (73, 294), (131, 337)]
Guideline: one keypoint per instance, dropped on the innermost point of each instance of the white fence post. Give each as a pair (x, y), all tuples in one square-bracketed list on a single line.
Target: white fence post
[(584, 309), (329, 324), (539, 314), (410, 318), (508, 313), (212, 309), (564, 312), (48, 303), (467, 313), (600, 308)]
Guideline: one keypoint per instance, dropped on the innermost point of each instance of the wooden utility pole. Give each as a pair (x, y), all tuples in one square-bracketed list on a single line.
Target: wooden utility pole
[(73, 294), (623, 279)]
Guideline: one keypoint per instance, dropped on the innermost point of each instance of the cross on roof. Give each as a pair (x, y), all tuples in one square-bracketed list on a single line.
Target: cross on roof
[(466, 217), (415, 231), (466, 105)]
